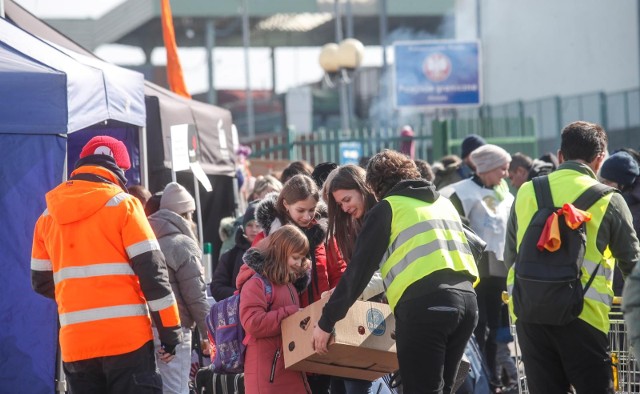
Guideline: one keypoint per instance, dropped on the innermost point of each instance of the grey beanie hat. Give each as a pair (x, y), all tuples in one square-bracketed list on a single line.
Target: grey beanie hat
[(488, 157), (177, 199)]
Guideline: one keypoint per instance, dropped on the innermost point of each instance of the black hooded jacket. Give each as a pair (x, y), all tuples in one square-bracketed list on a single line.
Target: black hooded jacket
[(223, 282)]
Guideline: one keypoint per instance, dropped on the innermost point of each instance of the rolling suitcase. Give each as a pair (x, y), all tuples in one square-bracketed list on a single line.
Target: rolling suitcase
[(209, 382)]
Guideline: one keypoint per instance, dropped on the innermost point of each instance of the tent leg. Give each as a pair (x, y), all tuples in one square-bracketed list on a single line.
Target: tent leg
[(61, 382), (196, 189), (239, 205), (144, 170)]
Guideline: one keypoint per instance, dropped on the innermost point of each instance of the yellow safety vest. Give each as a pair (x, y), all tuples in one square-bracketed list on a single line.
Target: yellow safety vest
[(424, 238), (566, 185)]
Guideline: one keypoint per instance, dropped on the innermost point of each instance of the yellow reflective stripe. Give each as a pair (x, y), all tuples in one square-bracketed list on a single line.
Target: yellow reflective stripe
[(421, 251), (162, 303), (116, 200), (419, 228), (92, 271), (41, 265), (142, 247), (109, 312)]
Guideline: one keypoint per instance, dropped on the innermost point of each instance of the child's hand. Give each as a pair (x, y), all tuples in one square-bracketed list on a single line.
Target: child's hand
[(206, 348)]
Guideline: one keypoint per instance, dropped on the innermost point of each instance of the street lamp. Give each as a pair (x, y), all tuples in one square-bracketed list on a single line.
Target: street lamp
[(339, 62)]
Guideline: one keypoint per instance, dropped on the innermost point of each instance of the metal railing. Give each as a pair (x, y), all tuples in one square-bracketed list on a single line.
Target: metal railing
[(530, 127)]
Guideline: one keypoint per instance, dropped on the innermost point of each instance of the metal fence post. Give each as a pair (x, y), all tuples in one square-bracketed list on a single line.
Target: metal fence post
[(559, 118), (291, 143), (604, 115)]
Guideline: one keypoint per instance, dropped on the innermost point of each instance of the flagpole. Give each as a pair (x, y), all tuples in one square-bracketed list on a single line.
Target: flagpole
[(247, 72)]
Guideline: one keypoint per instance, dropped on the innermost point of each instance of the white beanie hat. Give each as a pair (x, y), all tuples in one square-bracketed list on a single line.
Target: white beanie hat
[(177, 199), (489, 157)]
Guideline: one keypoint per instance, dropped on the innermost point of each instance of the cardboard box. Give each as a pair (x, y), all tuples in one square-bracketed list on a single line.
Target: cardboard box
[(363, 346)]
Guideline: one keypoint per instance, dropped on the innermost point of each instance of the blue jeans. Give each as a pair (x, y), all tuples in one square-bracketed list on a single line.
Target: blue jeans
[(175, 374)]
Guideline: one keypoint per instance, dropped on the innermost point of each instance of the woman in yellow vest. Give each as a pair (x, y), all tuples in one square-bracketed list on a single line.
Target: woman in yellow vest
[(416, 239)]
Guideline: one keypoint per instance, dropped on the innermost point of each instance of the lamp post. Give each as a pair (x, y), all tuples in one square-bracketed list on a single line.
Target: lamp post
[(339, 61)]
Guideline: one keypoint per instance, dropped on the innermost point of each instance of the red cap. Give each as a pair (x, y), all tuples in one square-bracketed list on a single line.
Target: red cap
[(105, 145)]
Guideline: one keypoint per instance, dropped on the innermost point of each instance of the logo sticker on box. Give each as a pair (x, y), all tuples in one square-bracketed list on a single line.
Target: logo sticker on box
[(375, 322)]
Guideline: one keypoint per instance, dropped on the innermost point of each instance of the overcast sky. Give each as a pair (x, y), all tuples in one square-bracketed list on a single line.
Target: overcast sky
[(295, 66)]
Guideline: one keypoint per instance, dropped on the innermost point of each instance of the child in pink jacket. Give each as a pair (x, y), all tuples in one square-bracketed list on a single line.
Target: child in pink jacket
[(280, 258)]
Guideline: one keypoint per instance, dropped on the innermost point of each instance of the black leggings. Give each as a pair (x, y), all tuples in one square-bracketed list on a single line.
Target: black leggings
[(431, 334)]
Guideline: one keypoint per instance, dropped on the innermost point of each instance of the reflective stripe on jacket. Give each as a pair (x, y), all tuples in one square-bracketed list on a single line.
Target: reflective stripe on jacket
[(566, 186), (84, 243), (424, 238)]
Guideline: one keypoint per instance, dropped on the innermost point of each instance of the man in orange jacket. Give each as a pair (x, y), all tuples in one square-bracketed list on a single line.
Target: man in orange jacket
[(95, 253)]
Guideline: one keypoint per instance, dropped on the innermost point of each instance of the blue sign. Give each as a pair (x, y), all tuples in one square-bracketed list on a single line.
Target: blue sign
[(437, 74), (350, 152)]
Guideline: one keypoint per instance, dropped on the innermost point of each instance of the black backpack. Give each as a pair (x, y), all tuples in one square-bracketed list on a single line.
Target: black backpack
[(547, 287)]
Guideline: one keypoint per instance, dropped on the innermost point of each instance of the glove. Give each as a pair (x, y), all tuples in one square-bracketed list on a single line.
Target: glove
[(169, 349)]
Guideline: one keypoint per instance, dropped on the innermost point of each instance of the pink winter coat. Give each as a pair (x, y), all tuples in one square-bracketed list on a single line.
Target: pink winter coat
[(264, 361)]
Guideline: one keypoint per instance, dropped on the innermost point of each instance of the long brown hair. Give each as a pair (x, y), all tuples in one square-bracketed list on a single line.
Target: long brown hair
[(298, 188), (280, 245), (342, 226)]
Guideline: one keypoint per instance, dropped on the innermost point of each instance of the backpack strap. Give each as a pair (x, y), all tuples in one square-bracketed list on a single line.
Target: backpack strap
[(584, 202), (268, 289), (543, 192), (592, 195)]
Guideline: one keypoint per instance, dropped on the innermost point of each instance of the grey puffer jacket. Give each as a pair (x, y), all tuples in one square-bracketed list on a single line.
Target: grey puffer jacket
[(186, 274)]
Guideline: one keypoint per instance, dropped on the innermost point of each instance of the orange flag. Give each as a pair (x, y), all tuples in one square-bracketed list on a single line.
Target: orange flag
[(574, 217), (174, 69), (550, 237)]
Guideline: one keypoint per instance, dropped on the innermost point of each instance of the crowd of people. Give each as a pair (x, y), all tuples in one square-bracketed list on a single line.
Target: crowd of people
[(396, 230)]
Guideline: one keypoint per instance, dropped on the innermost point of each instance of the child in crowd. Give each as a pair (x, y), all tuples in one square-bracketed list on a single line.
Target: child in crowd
[(280, 259), (298, 204)]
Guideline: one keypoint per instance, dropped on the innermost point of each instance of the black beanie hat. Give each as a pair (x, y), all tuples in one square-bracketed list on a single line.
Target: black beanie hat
[(250, 213), (321, 172), (471, 143), (620, 168)]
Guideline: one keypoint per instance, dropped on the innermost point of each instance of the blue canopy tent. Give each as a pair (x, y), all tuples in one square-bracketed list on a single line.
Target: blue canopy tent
[(47, 98)]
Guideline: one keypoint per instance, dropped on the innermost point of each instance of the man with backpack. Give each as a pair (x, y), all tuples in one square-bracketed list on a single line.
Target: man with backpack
[(563, 337)]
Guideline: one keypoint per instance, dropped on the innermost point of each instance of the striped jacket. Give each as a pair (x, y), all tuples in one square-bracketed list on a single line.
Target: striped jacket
[(95, 253)]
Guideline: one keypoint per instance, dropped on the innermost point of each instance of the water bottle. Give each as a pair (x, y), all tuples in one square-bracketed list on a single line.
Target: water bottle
[(206, 261)]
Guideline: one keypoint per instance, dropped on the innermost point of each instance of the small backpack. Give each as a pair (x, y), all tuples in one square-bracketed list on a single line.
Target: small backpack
[(226, 332), (547, 287)]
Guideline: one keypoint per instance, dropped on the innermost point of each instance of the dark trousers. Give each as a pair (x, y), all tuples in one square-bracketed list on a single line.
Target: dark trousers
[(130, 373), (319, 384), (431, 334), (350, 386), (556, 357), (489, 292)]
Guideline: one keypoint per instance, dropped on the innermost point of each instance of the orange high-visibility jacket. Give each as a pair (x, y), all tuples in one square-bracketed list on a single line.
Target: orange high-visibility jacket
[(94, 250)]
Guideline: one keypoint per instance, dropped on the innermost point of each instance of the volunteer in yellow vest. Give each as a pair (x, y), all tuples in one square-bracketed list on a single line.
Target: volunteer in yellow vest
[(557, 357), (95, 254), (415, 238)]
